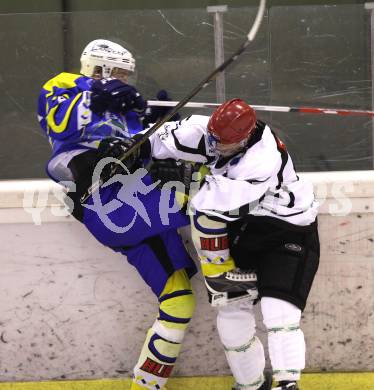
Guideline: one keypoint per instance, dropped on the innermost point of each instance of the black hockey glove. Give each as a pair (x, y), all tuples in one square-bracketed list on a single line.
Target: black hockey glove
[(171, 170), (154, 114), (115, 148), (115, 96)]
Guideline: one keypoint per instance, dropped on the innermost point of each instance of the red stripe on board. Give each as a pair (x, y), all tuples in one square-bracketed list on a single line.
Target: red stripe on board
[(311, 110)]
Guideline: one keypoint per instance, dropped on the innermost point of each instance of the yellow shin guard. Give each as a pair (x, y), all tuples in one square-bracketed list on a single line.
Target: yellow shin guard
[(163, 341)]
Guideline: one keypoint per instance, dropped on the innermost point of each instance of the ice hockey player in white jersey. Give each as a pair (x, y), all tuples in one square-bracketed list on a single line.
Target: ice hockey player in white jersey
[(252, 212)]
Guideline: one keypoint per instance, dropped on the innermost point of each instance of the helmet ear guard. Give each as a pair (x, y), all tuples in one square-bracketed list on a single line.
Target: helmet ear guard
[(106, 55), (232, 122)]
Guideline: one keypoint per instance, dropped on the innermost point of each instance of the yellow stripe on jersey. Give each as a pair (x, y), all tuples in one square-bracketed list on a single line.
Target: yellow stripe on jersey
[(63, 80), (59, 128)]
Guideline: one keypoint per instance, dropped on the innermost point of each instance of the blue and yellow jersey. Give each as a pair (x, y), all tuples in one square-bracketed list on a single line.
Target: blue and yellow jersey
[(65, 117)]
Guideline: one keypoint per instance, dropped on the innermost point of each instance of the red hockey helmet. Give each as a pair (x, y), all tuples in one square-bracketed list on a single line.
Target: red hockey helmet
[(232, 122)]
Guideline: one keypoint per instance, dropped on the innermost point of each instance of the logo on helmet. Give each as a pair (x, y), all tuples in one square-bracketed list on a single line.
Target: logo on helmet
[(108, 49)]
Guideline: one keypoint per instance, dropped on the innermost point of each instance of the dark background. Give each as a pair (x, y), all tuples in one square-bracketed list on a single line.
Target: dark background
[(316, 54), (11, 6)]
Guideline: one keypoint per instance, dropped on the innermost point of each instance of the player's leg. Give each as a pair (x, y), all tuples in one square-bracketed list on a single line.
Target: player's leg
[(163, 342), (140, 229), (285, 340), (166, 267), (286, 274), (244, 351), (223, 281)]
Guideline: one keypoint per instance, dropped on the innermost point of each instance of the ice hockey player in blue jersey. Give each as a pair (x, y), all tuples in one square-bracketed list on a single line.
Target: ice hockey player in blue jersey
[(86, 119)]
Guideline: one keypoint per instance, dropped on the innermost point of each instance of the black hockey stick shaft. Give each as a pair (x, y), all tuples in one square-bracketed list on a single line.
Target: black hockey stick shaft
[(203, 84)]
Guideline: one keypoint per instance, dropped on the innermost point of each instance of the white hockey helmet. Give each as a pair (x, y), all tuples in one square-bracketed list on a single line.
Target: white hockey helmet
[(107, 55)]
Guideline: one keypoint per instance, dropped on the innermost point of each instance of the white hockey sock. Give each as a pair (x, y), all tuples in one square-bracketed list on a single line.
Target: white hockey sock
[(243, 350), (285, 338)]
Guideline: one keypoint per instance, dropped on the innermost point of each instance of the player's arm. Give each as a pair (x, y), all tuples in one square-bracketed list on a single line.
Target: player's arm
[(66, 112), (182, 140), (236, 194)]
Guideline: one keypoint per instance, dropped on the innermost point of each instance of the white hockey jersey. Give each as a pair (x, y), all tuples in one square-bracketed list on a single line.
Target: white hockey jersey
[(260, 180)]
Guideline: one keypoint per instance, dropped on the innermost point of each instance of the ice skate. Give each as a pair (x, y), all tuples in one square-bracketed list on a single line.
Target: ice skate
[(265, 386), (286, 386), (231, 286)]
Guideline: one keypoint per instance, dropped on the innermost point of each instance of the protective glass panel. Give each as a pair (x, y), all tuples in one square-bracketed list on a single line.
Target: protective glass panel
[(315, 56), (320, 57)]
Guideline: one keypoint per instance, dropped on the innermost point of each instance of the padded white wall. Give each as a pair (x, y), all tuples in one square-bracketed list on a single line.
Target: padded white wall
[(71, 308)]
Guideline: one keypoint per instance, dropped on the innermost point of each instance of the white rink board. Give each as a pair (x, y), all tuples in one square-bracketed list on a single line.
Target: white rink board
[(71, 308)]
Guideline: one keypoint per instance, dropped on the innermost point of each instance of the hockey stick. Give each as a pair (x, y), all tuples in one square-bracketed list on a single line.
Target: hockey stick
[(304, 110), (203, 84)]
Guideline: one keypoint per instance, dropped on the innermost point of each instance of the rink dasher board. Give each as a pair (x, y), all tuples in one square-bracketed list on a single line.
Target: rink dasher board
[(338, 192)]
